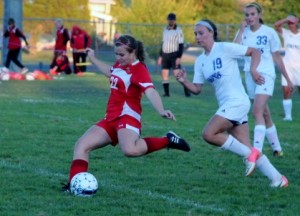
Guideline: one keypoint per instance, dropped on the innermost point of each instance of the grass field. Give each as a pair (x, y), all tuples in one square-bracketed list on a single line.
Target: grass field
[(41, 121)]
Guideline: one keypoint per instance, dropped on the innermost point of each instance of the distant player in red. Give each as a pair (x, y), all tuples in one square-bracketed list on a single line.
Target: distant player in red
[(14, 45), (62, 38), (80, 40), (129, 79), (61, 65)]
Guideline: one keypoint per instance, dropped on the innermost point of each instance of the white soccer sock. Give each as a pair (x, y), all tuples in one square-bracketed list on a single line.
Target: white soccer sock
[(259, 136), (267, 169), (287, 107), (233, 145), (272, 136)]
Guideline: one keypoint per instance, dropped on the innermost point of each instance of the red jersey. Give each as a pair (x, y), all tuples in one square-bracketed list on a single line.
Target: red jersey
[(127, 84), (14, 35), (62, 62), (80, 39), (62, 38)]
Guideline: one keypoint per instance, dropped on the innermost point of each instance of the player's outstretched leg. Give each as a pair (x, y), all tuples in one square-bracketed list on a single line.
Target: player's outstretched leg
[(176, 142), (267, 169)]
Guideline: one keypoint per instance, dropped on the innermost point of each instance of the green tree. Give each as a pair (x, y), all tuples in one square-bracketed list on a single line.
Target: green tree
[(274, 10), (219, 11), (138, 20), (68, 9)]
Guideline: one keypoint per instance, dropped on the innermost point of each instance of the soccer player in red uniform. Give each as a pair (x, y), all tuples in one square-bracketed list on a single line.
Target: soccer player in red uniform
[(80, 40), (62, 38), (129, 79), (61, 65), (14, 45)]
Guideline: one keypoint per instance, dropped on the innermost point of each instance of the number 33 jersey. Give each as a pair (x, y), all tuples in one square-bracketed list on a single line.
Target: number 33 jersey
[(127, 83), (220, 69), (267, 41)]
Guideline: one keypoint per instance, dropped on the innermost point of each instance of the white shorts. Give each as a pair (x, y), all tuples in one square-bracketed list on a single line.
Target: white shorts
[(236, 114), (253, 89), (294, 74)]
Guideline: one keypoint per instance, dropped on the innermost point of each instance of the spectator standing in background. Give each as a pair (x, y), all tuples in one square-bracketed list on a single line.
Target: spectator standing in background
[(14, 45), (62, 38), (80, 40)]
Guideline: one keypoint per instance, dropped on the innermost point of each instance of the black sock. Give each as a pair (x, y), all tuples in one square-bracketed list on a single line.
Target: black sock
[(166, 89)]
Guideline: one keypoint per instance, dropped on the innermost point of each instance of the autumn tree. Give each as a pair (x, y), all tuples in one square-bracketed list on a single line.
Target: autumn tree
[(40, 15)]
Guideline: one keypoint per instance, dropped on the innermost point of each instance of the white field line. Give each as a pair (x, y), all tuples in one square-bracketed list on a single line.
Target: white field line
[(105, 184), (53, 101)]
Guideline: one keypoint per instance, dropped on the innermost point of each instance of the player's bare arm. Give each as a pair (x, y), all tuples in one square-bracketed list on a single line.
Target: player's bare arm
[(255, 60), (156, 102), (104, 68), (192, 87), (238, 37), (278, 60)]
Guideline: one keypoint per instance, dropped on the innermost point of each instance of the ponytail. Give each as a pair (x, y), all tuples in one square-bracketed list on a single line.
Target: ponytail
[(140, 52)]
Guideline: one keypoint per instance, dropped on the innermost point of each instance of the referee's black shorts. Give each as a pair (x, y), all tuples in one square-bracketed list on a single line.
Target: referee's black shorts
[(169, 61)]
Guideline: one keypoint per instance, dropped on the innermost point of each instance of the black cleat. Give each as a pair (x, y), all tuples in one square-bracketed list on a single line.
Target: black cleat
[(176, 142), (66, 188)]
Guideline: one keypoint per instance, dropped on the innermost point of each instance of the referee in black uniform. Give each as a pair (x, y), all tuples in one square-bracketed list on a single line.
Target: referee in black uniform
[(171, 52)]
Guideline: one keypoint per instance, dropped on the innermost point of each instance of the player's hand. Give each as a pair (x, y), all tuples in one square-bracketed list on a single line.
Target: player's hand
[(159, 60), (243, 24), (258, 79), (178, 62), (292, 19), (90, 52), (290, 86), (181, 75), (168, 114)]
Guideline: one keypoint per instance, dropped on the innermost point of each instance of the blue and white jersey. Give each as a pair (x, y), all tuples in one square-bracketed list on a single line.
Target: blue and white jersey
[(267, 41), (220, 69)]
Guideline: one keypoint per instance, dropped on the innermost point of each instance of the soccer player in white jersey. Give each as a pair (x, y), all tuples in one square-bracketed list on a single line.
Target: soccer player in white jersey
[(228, 128), (253, 33), (129, 79), (291, 59)]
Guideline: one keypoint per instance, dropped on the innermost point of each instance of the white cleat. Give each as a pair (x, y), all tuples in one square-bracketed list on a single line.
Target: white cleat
[(282, 183), (251, 161), (24, 70), (287, 119)]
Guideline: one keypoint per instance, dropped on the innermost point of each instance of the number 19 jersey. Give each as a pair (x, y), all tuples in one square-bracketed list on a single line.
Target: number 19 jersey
[(220, 69)]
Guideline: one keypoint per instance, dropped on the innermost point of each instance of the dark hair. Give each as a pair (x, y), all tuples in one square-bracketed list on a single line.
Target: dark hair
[(214, 28), (171, 16), (11, 21), (258, 8), (131, 45)]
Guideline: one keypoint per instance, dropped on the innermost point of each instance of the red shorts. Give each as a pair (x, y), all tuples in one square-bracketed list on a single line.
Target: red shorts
[(112, 127)]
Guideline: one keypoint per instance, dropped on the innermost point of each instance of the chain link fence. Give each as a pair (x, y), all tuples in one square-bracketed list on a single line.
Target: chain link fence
[(40, 33)]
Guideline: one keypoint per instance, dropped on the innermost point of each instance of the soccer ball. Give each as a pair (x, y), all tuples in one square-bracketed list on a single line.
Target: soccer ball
[(84, 184), (30, 76)]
